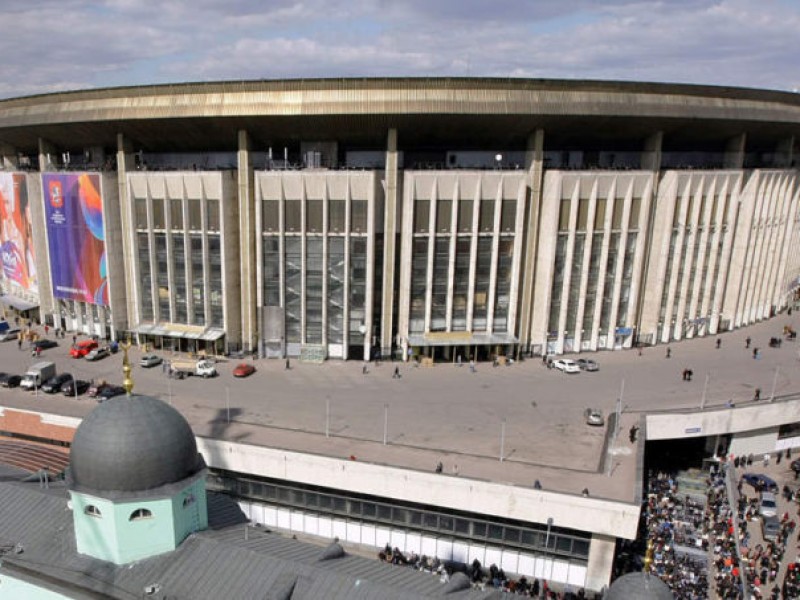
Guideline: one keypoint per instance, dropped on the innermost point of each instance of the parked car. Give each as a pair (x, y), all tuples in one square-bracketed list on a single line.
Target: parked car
[(769, 505), (760, 482), (243, 370), (566, 365), (587, 364), (110, 391), (594, 416), (770, 528), (44, 344), (150, 360), (98, 353), (11, 381), (69, 388), (53, 385), (9, 334), (82, 348)]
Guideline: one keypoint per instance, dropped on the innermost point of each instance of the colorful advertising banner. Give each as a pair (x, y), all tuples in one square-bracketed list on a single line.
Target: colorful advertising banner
[(74, 214), (16, 242)]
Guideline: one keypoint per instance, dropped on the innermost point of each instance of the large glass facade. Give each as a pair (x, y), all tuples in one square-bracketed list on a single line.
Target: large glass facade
[(293, 289), (314, 263), (336, 299)]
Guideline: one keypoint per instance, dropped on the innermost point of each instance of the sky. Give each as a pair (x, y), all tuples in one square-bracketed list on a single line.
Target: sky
[(54, 45)]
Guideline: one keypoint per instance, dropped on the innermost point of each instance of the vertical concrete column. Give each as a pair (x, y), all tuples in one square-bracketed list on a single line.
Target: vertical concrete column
[(601, 562), (247, 245), (784, 152), (8, 157), (391, 226), (647, 320), (369, 298), (534, 162), (406, 239), (47, 158), (734, 152), (125, 162)]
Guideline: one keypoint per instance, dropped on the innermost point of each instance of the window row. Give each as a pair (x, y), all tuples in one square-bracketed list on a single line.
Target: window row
[(314, 216), (554, 540), (444, 220), (177, 214)]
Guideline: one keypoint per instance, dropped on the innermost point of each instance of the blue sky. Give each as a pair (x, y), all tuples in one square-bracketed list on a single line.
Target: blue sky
[(53, 45)]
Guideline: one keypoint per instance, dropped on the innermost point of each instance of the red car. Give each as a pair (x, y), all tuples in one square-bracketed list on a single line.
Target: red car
[(243, 370), (82, 348)]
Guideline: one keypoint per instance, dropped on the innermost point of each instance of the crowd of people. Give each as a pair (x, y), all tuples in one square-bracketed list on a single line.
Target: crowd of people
[(675, 523), (481, 577)]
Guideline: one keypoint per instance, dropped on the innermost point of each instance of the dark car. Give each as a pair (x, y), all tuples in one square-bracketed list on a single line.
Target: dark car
[(53, 385), (760, 482), (109, 391), (96, 388), (44, 344), (8, 380), (68, 389)]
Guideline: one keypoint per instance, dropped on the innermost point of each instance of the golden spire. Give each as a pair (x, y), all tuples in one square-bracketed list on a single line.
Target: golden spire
[(648, 557), (127, 383)]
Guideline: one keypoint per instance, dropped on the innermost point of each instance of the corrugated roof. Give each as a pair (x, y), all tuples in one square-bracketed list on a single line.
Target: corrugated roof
[(230, 560)]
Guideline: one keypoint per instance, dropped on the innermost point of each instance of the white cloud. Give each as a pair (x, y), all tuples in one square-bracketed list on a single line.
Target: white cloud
[(78, 43)]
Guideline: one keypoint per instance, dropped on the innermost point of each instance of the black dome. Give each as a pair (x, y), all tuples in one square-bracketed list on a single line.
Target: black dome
[(639, 586), (132, 443)]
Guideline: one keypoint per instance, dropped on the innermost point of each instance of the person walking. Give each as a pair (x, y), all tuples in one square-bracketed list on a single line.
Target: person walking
[(719, 343), (471, 365), (396, 374), (747, 342), (757, 394), (669, 352), (288, 366)]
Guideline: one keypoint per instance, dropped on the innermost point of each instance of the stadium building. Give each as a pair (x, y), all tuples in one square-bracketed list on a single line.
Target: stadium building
[(431, 218)]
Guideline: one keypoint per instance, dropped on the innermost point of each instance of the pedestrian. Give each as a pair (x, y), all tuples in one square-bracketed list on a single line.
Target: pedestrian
[(747, 342), (396, 374), (364, 368), (755, 353), (74, 339), (683, 375), (719, 343), (19, 341), (472, 365), (632, 433), (439, 467), (46, 329), (537, 485), (459, 360), (639, 346), (757, 395), (288, 366), (669, 352), (689, 374)]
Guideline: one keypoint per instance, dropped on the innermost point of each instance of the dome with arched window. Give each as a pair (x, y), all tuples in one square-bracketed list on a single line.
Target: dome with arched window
[(132, 443)]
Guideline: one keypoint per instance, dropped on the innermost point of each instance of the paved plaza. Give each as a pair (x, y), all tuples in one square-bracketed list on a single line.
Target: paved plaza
[(525, 414)]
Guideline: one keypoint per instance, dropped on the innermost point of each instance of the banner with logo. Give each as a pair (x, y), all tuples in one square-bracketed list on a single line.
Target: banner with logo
[(74, 216), (16, 241)]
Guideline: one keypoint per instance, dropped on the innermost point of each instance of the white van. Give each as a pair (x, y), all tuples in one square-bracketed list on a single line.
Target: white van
[(9, 334)]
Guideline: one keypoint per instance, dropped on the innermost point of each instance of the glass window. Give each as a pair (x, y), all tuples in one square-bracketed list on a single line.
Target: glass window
[(213, 215), (272, 271), (636, 207), (140, 513), (140, 205), (215, 281), (314, 288), (158, 214), (271, 215), (495, 532), (176, 213), (483, 271), (563, 215), (162, 277), (422, 216), (368, 509), (430, 520), (600, 214), (486, 222), (444, 215), (461, 284), (293, 215), (465, 216), (314, 216), (198, 280), (146, 289), (195, 215), (505, 260), (384, 512), (293, 286), (583, 213), (441, 265), (336, 213), (358, 212), (335, 297), (419, 271), (616, 220), (179, 278), (508, 215)]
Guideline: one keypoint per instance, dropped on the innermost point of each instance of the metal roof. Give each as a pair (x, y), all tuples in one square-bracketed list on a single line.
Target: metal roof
[(230, 560), (359, 111)]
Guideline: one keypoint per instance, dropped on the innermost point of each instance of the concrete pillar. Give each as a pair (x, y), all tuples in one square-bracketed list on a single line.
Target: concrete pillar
[(734, 152), (601, 562), (784, 152), (534, 162), (8, 157), (391, 226), (47, 157), (651, 153), (125, 162), (247, 244)]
